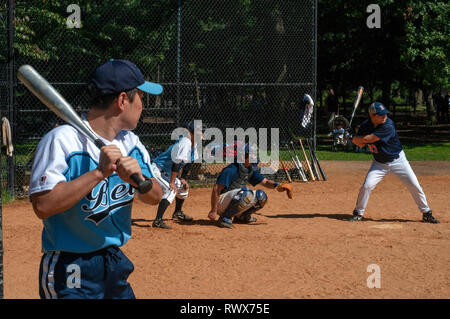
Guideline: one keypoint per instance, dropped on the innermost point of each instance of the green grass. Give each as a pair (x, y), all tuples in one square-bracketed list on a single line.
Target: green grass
[(414, 152), (6, 196)]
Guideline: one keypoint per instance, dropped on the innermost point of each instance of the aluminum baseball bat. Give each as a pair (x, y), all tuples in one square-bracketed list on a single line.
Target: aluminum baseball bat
[(356, 103), (48, 95), (318, 164), (299, 162), (307, 161), (313, 160), (297, 166)]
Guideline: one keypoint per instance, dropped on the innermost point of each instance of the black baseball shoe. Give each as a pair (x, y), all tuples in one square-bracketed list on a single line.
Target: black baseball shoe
[(159, 223), (428, 218), (225, 222), (181, 216), (356, 217), (244, 219)]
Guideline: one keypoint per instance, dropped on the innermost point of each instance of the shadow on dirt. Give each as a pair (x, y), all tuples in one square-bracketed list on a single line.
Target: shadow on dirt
[(137, 222), (344, 217)]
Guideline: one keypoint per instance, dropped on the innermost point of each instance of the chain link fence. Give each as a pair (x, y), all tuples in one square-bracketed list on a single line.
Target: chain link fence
[(232, 64)]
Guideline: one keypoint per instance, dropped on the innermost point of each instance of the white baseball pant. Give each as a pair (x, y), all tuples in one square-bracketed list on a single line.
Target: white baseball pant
[(164, 179), (401, 168)]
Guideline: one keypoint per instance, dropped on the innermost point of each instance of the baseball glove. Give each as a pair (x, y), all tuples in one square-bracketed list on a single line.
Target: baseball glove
[(285, 187)]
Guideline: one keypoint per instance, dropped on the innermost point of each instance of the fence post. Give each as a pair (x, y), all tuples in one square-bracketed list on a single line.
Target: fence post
[(11, 89), (315, 9), (1, 239), (178, 61)]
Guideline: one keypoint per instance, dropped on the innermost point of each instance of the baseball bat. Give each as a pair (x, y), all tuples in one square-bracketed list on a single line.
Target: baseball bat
[(286, 171), (301, 176), (320, 166), (298, 161), (356, 103), (48, 95), (313, 161), (307, 161)]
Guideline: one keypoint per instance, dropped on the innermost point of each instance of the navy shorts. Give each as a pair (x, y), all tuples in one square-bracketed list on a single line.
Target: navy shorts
[(101, 274)]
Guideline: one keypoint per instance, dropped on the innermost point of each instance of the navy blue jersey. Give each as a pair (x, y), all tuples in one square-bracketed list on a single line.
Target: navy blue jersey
[(387, 148), (236, 175)]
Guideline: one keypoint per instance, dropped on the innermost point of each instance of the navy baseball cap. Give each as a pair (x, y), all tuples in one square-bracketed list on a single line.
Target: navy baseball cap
[(380, 109), (117, 76)]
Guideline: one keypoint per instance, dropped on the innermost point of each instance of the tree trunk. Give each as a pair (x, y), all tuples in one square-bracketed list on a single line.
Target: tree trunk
[(418, 98), (344, 105), (431, 111), (386, 94)]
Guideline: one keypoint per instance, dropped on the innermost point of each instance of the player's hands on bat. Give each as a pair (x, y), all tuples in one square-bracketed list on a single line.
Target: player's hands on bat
[(127, 166), (109, 155), (357, 141)]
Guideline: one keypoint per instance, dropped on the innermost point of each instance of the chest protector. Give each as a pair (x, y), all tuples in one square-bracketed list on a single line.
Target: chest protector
[(242, 180)]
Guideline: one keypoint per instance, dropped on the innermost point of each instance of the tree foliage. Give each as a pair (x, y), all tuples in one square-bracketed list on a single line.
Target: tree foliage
[(426, 48), (132, 29), (410, 48), (243, 41)]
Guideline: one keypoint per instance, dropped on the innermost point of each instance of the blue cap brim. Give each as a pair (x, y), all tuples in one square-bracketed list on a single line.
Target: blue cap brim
[(383, 112), (150, 87)]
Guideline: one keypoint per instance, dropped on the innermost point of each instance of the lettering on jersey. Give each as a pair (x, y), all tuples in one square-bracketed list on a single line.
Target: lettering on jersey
[(372, 148), (100, 204)]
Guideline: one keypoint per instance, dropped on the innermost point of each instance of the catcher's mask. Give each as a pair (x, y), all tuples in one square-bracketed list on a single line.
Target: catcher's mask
[(251, 152)]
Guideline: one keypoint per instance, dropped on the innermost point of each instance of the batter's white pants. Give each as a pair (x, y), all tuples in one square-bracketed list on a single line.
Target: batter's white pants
[(401, 168), (164, 179)]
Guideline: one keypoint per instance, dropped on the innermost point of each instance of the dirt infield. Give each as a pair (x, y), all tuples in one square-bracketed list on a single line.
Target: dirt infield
[(300, 248)]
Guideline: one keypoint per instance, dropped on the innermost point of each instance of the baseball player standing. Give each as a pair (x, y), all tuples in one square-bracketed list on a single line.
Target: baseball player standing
[(166, 168), (84, 195), (233, 200), (379, 134)]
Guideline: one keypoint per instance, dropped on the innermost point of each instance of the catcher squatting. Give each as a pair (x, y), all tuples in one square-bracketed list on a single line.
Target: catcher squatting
[(84, 195)]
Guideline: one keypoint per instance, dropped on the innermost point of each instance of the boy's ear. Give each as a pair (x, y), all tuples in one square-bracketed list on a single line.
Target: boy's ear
[(120, 102)]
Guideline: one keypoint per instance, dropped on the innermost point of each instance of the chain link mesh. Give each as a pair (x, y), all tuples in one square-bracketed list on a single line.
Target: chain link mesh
[(232, 64)]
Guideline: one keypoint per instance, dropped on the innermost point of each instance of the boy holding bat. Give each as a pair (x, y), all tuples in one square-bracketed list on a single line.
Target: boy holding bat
[(379, 134), (84, 194)]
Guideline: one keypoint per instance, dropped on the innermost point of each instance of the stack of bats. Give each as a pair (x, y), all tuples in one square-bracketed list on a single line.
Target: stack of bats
[(307, 169)]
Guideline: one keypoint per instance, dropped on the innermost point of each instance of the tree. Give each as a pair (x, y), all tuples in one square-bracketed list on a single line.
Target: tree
[(425, 50), (131, 30)]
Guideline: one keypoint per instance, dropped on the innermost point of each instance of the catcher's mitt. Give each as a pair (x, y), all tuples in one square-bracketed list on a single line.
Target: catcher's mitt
[(285, 187)]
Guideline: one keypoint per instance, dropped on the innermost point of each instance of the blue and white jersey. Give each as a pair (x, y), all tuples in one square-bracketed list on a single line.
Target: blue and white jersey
[(180, 152), (103, 217)]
